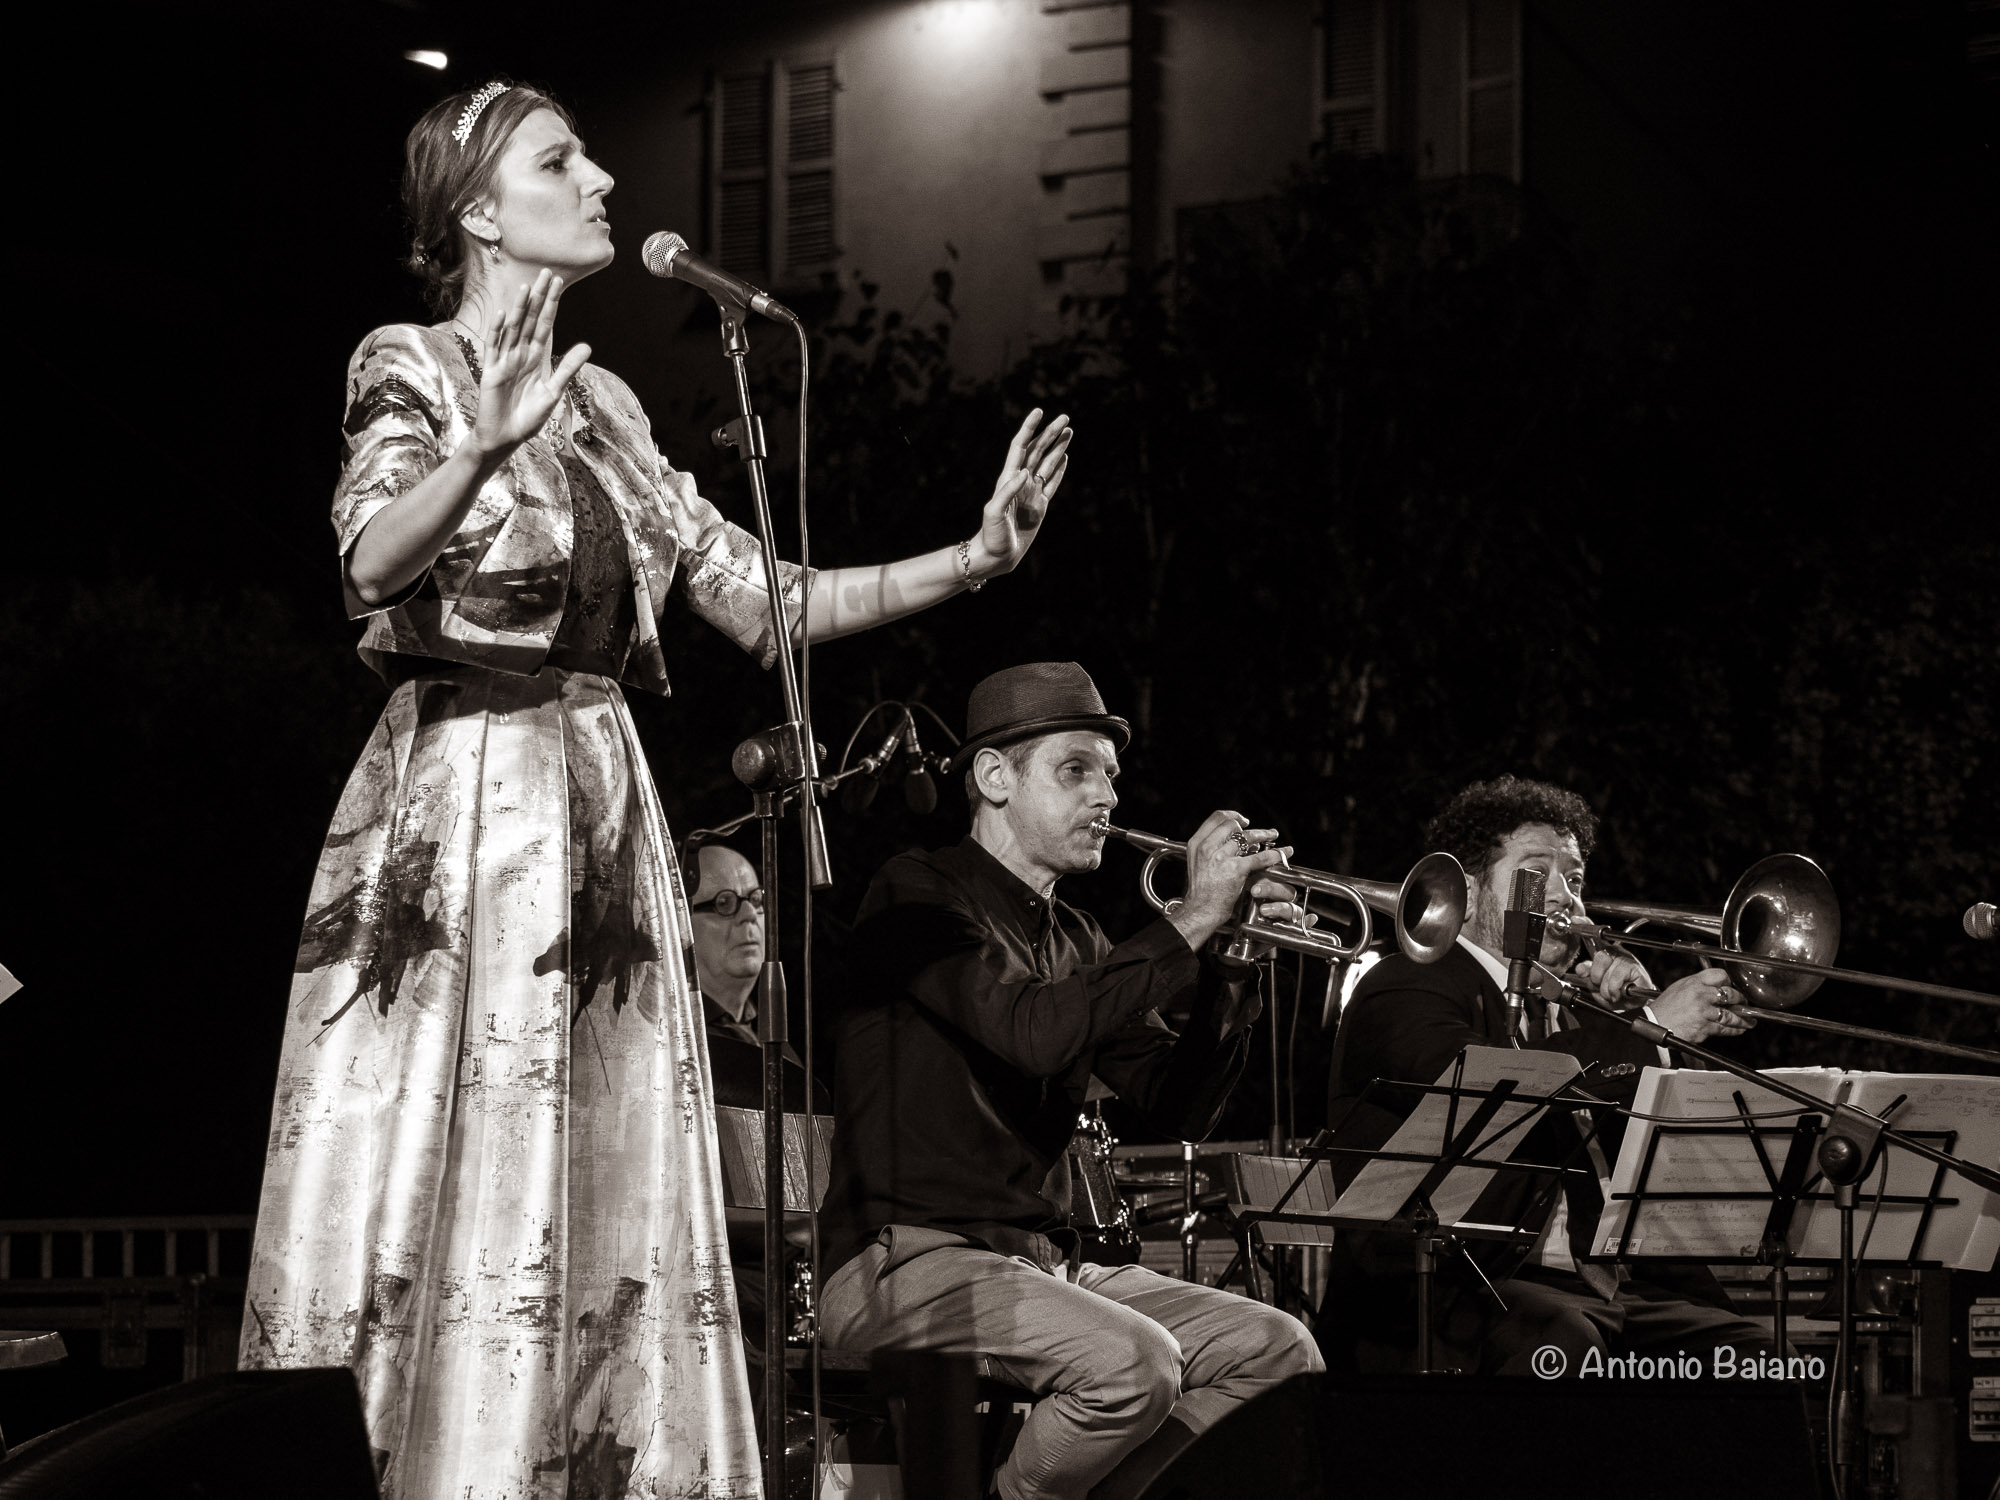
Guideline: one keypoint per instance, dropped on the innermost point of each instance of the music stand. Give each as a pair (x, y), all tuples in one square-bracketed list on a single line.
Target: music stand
[(1426, 1189), (1712, 1196)]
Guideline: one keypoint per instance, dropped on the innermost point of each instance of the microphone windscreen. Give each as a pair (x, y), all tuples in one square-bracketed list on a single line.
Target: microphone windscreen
[(1530, 888), (1979, 919), (855, 795), (920, 792), (659, 251)]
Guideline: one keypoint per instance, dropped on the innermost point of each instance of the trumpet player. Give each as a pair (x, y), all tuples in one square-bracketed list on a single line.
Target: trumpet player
[(1407, 1021), (983, 1006)]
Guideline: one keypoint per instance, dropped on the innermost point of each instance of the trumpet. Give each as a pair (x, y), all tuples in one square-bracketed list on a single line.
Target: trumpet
[(1427, 906)]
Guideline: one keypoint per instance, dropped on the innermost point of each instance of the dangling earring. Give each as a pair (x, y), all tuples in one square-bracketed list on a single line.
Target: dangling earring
[(493, 249)]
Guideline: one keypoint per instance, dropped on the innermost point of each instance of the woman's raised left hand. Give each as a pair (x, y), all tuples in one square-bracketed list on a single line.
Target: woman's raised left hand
[(1036, 461)]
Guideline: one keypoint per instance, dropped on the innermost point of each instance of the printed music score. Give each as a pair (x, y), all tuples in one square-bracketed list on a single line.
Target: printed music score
[(1957, 1112)]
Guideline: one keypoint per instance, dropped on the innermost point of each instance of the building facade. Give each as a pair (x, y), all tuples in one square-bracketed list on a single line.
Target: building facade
[(1042, 149)]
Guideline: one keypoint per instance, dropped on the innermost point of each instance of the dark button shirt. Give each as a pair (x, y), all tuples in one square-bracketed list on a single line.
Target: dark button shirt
[(977, 1015), (736, 1063)]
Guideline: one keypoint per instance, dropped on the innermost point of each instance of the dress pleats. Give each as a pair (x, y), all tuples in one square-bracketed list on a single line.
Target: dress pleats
[(493, 1186)]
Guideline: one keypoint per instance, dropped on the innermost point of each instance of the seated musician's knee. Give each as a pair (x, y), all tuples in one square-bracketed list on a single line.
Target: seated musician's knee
[(1138, 1379), (1289, 1348)]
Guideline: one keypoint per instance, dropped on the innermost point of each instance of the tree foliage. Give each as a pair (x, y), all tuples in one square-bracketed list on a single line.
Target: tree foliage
[(1372, 496)]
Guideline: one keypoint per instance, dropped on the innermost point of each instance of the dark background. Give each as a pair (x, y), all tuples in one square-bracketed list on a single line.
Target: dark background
[(1670, 479)]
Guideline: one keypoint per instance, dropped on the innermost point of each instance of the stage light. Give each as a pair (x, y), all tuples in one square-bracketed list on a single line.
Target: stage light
[(963, 20), (427, 59)]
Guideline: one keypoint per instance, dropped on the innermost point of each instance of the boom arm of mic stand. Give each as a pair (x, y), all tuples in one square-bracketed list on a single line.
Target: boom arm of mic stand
[(1659, 1036)]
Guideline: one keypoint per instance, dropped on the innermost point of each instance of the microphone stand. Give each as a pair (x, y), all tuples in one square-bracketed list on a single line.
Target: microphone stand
[(1847, 1152), (779, 766)]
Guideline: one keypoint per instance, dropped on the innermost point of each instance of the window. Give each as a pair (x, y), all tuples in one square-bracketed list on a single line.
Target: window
[(1493, 88), (809, 168), (1352, 76), (771, 169)]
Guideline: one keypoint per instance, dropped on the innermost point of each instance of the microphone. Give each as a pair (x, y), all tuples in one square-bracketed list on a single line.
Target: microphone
[(919, 791), (860, 789), (1979, 919), (1521, 941), (667, 254)]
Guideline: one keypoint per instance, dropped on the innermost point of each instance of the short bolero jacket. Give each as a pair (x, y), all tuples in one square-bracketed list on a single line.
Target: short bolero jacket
[(494, 597)]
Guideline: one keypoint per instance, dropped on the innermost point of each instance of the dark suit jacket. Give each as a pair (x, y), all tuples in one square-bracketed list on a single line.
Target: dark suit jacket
[(1407, 1021)]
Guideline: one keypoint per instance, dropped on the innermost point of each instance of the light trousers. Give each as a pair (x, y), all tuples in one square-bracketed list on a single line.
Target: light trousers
[(1111, 1355)]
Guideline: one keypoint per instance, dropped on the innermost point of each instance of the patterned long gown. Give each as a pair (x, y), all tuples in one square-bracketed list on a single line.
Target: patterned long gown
[(492, 1186)]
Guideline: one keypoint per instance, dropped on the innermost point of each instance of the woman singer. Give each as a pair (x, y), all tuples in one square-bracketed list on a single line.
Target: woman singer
[(492, 1184)]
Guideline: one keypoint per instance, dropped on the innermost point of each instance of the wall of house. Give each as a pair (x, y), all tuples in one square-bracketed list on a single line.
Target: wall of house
[(1011, 141), (1239, 85)]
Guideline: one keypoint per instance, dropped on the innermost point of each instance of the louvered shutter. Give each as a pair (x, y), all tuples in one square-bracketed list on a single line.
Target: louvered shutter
[(1493, 87), (809, 230), (1352, 106), (742, 175)]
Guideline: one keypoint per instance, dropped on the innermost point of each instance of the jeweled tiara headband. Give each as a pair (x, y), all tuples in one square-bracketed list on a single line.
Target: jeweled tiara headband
[(475, 109)]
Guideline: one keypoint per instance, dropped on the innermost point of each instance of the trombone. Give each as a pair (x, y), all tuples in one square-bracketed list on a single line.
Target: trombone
[(1428, 906), (1782, 913)]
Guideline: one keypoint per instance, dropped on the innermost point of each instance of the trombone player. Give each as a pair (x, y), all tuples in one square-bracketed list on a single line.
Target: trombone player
[(1407, 1021), (983, 1008)]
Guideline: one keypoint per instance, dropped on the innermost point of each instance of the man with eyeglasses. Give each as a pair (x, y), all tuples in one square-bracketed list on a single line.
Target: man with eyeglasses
[(1407, 1021), (728, 911)]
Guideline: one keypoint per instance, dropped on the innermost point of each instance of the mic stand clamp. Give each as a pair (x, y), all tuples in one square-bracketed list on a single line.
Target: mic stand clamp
[(745, 434)]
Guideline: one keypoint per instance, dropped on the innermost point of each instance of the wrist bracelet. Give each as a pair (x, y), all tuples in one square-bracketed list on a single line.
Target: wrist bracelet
[(972, 585)]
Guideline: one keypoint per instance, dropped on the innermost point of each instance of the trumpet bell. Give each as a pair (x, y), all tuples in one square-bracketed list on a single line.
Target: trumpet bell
[(1782, 907), (1428, 907)]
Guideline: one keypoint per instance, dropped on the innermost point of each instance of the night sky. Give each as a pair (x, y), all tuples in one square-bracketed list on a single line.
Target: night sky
[(1763, 526)]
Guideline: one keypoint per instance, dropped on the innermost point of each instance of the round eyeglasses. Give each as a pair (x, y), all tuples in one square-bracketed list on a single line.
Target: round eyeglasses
[(724, 903)]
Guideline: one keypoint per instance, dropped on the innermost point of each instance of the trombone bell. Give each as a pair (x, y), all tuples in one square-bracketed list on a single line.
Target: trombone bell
[(1783, 907)]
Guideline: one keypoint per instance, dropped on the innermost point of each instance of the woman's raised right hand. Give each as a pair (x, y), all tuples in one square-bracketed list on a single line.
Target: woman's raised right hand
[(517, 389)]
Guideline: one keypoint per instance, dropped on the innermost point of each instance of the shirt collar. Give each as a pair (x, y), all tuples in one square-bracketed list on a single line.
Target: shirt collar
[(1007, 886)]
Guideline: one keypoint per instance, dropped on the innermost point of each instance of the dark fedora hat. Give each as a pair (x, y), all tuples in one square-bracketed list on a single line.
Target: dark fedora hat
[(1042, 697)]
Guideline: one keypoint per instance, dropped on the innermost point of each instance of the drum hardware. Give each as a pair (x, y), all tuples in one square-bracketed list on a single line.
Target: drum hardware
[(801, 1307), (1098, 1212)]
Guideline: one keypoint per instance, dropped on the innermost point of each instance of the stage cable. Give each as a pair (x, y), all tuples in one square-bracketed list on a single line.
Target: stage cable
[(1292, 1050), (806, 906)]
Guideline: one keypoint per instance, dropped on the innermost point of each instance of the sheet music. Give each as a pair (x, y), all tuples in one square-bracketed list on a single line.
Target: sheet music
[(1259, 1181), (1381, 1188), (1966, 1236), (1714, 1229)]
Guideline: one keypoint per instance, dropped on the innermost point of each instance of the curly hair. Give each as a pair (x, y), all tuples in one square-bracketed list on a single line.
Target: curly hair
[(1474, 824), (441, 179)]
